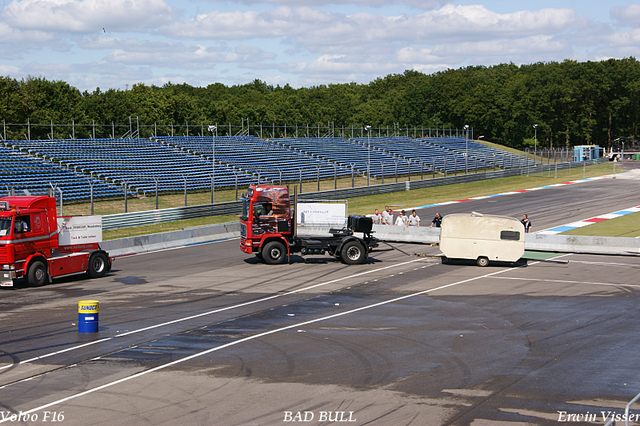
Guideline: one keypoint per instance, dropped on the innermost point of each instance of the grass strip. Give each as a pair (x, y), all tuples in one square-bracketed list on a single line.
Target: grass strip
[(623, 226)]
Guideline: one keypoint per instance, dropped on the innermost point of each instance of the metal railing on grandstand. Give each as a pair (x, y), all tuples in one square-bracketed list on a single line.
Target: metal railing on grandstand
[(124, 220), (134, 129)]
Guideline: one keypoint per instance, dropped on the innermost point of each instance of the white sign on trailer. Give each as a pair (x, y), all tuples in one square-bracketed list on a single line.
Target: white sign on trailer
[(79, 230), (321, 214)]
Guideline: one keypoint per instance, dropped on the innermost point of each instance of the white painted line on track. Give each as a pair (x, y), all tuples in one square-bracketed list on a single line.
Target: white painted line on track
[(56, 353), (215, 311), (257, 336)]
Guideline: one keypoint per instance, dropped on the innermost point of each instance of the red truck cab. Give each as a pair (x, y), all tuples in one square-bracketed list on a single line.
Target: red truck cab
[(266, 217), (29, 245), (268, 230)]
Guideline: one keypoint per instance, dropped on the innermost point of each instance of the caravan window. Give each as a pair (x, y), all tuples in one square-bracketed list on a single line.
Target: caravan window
[(510, 235)]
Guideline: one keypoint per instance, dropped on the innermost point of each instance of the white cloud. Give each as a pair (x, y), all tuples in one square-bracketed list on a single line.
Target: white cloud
[(318, 31), (420, 4), (13, 35), (237, 25), (8, 70), (621, 43), (502, 47), (87, 15), (15, 43), (172, 54), (629, 15), (411, 55)]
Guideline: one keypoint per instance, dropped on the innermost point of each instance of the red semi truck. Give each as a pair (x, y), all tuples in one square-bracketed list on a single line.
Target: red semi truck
[(268, 230), (30, 247)]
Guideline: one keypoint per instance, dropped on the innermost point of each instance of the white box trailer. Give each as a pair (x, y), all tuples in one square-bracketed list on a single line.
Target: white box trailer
[(482, 238)]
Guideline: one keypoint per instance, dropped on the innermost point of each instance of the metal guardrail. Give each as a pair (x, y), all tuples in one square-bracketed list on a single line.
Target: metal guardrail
[(154, 217)]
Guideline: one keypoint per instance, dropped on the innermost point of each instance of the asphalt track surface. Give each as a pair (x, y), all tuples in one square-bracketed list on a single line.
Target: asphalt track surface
[(207, 335)]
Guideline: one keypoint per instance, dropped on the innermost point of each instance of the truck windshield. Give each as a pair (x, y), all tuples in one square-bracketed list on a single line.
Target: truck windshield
[(246, 205), (5, 226)]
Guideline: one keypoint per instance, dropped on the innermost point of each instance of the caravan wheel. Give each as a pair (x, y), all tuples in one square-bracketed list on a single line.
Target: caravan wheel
[(482, 261)]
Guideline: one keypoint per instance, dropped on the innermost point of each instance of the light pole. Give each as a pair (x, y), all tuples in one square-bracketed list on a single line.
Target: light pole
[(466, 148), (368, 129), (214, 131), (535, 142)]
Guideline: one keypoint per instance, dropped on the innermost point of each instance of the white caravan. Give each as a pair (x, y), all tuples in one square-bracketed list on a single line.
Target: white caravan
[(482, 238)]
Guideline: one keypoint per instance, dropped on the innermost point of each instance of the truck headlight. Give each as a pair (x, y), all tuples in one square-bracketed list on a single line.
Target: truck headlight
[(8, 267)]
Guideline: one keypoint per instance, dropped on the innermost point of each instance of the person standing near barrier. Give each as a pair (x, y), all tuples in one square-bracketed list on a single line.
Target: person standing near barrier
[(437, 221), (387, 216), (526, 223), (402, 219), (377, 218), (413, 219)]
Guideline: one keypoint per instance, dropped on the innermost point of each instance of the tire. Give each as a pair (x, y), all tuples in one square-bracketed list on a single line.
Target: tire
[(444, 260), (482, 261), (98, 265), (37, 274), (352, 253), (273, 253)]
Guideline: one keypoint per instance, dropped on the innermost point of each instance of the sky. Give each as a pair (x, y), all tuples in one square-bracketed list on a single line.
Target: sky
[(303, 43)]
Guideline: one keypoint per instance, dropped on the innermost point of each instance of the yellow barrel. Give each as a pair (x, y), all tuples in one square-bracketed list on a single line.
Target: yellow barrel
[(88, 316)]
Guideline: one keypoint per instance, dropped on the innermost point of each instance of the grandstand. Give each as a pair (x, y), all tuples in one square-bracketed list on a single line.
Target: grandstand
[(486, 155), (138, 163), (27, 174), (423, 156), (267, 159), (348, 154), (168, 161)]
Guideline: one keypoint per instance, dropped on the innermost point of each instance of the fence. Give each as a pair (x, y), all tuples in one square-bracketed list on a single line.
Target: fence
[(134, 129), (124, 220)]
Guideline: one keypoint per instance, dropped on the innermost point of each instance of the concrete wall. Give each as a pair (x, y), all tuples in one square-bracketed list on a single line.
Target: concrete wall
[(582, 244), (184, 237)]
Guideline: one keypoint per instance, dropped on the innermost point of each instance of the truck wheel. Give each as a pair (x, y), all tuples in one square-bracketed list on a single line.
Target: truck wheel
[(98, 265), (352, 253), (273, 253), (37, 274), (482, 261)]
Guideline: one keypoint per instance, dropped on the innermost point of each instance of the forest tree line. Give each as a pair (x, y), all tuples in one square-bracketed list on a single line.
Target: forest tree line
[(572, 103)]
